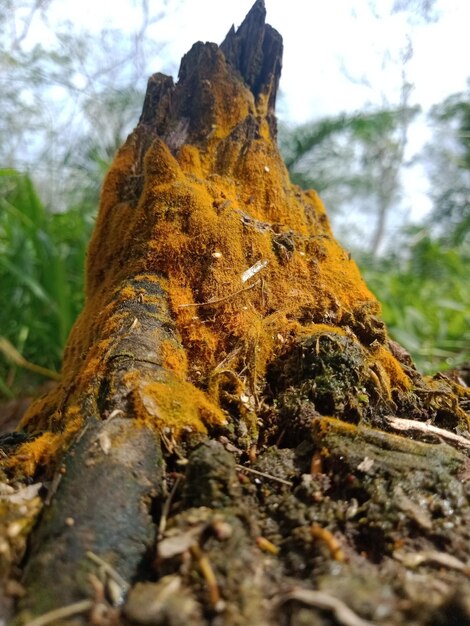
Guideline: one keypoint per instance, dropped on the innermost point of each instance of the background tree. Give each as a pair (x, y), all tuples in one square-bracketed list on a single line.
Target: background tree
[(355, 162), (68, 97), (448, 161)]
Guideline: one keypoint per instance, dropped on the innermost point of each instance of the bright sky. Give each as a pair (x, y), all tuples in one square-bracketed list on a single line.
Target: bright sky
[(338, 56), (324, 42)]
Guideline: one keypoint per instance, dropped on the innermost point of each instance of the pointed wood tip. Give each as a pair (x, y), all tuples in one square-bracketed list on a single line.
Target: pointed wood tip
[(255, 51)]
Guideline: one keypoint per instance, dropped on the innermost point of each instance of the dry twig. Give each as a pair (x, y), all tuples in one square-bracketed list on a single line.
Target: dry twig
[(267, 546), (242, 468), (63, 612), (330, 541), (399, 423), (415, 559), (343, 614), (18, 359), (166, 508), (219, 300), (254, 269), (209, 576), (112, 573)]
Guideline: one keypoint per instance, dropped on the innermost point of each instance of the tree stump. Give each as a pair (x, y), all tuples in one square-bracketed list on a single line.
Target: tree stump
[(235, 439)]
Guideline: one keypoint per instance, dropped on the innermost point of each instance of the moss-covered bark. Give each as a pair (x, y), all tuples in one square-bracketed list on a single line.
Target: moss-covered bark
[(220, 449)]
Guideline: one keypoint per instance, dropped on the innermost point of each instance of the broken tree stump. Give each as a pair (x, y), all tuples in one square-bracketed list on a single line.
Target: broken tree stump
[(234, 439)]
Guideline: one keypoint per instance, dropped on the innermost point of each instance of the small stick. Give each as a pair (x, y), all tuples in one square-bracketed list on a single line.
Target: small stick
[(225, 360), (254, 269), (55, 482), (343, 614), (333, 545), (166, 508), (414, 559), (316, 464), (108, 569), (267, 546), (263, 474), (63, 612), (208, 574), (219, 300), (81, 433), (405, 424), (18, 359)]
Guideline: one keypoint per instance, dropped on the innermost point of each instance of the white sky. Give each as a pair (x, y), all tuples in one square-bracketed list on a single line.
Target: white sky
[(324, 43)]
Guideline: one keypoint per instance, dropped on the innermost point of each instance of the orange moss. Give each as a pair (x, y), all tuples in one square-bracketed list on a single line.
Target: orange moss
[(189, 159), (44, 450), (122, 165), (95, 361), (320, 329), (127, 293), (41, 451), (194, 212), (397, 377), (326, 423), (175, 405), (204, 240), (174, 359), (59, 427), (36, 417)]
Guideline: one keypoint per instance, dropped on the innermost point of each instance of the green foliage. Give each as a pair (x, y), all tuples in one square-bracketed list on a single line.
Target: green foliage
[(354, 161), (299, 142), (68, 99), (448, 161), (425, 300), (41, 272)]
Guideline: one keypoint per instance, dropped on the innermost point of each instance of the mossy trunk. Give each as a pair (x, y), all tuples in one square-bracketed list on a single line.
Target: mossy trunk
[(221, 448)]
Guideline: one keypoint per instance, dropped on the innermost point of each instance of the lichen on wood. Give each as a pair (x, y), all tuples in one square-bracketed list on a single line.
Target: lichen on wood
[(196, 197), (224, 327)]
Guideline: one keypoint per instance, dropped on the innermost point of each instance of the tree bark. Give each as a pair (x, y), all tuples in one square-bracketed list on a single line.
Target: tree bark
[(224, 446)]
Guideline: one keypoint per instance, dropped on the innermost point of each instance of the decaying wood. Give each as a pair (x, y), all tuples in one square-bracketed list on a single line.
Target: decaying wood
[(102, 506), (220, 448)]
